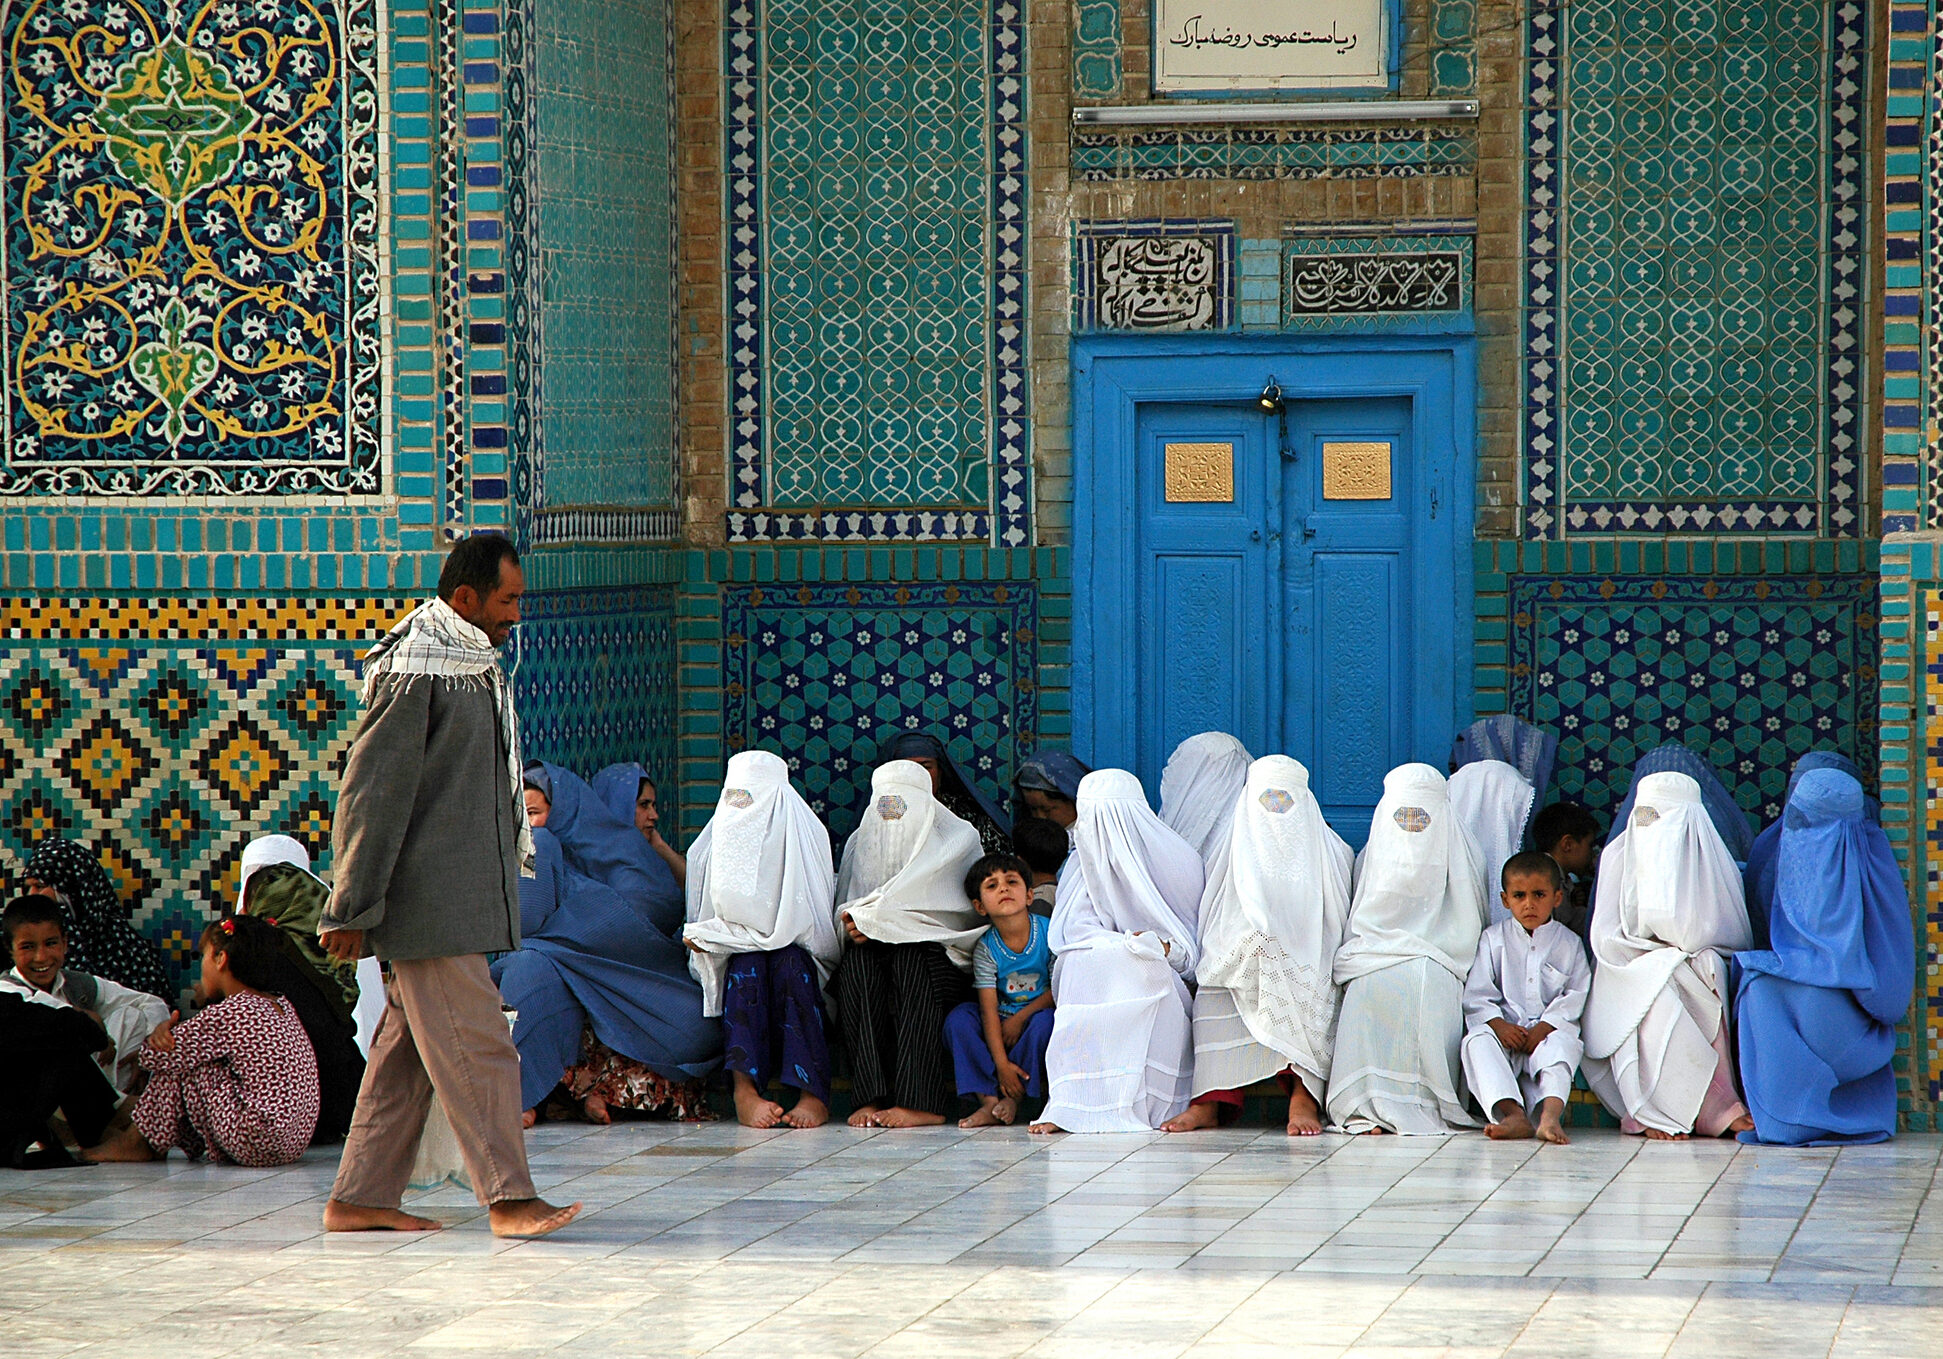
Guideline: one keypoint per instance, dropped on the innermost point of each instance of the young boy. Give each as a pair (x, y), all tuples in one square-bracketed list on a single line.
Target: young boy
[(1522, 1004), (37, 947), (998, 1042), (1571, 835), (1044, 845)]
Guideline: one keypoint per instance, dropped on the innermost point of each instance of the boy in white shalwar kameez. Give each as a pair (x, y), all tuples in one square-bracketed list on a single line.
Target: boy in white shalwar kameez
[(1522, 1005)]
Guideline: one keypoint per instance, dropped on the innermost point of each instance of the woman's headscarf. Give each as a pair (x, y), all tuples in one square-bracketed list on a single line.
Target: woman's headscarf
[(954, 789), (100, 939), (600, 842), (1529, 750), (1759, 874), (903, 874), (1494, 801), (275, 885), (1417, 893), (1052, 771), (1667, 890), (1198, 789), (759, 876), (618, 787), (1130, 873), (1727, 816)]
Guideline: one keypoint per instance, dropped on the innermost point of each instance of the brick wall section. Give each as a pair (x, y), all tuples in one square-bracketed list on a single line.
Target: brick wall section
[(699, 254), (1498, 204)]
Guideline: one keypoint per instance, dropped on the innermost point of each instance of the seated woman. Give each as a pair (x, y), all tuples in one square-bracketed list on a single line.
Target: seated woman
[(600, 980), (959, 795), (901, 902), (101, 940), (1198, 788), (1124, 938), (1495, 804), (1667, 909), (1673, 758), (631, 795), (1048, 785), (763, 938), (1529, 750), (1758, 875), (1816, 1011), (1414, 922)]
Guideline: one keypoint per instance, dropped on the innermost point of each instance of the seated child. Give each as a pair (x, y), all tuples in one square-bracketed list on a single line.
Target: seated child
[(37, 944), (1522, 1004), (1044, 845), (1571, 835), (239, 1081), (998, 1042), (47, 1066)]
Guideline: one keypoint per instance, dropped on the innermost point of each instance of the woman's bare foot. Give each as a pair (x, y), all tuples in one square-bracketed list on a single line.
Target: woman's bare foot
[(1655, 1135), (752, 1108), (865, 1115), (1305, 1119), (594, 1110), (528, 1218), (810, 1112), (1378, 1131), (1745, 1123), (348, 1217), (1194, 1118), (907, 1118), (992, 1112), (1550, 1128), (1511, 1124), (124, 1144), (529, 1118), (1042, 1128)]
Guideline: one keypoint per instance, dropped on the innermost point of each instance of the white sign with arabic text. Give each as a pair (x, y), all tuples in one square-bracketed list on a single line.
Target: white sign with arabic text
[(1202, 45)]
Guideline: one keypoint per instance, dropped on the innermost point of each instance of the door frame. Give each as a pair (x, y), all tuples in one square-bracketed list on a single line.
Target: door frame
[(1113, 375)]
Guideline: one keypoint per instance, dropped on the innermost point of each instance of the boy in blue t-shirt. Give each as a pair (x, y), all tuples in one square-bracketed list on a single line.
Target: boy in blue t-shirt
[(998, 1042)]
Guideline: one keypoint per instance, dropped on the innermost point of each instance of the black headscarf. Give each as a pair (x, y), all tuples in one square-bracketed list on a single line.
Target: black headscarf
[(960, 794), (100, 939)]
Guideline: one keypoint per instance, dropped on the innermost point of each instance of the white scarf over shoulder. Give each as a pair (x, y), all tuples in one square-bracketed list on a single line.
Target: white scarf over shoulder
[(1198, 790), (1417, 883), (1668, 890), (1493, 801), (1273, 917), (903, 875), (759, 876)]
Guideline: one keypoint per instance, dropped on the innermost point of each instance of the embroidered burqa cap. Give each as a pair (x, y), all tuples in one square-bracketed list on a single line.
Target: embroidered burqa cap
[(903, 874), (1528, 749), (1198, 790)]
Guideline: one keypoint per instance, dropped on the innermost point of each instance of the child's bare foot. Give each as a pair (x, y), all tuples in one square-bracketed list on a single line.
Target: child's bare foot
[(594, 1109), (810, 1112), (992, 1112), (865, 1115), (124, 1144), (528, 1218), (907, 1118), (529, 1118), (752, 1108), (1549, 1127), (1745, 1123), (1655, 1135), (1305, 1120), (348, 1217), (1511, 1124), (1040, 1129), (1194, 1118)]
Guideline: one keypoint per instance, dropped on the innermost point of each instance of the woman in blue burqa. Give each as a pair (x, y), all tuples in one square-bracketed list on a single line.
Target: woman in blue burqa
[(960, 796), (1816, 1010), (607, 1008), (1759, 874)]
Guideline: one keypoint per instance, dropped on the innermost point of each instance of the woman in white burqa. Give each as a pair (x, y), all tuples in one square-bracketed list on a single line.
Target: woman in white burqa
[(1494, 802), (901, 902), (1668, 909), (1198, 788), (762, 940), (1272, 918), (1413, 930), (1124, 939)]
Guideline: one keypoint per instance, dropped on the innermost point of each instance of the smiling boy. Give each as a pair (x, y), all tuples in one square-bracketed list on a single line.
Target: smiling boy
[(37, 949), (998, 1042)]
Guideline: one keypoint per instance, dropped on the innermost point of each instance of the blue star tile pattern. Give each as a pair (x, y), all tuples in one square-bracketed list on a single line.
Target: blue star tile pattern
[(594, 677), (824, 675), (1750, 672)]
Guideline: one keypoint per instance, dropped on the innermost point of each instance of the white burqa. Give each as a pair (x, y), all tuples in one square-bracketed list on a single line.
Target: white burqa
[(1271, 922), (1493, 801), (903, 874), (1125, 942), (1669, 905), (265, 850), (759, 877), (1413, 931), (1198, 788)]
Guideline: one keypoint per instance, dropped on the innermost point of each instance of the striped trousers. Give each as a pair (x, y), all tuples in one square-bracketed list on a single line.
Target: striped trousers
[(892, 1000)]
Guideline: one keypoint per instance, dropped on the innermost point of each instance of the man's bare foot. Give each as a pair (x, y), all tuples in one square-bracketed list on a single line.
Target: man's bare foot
[(865, 1115), (594, 1110), (907, 1118), (1042, 1128), (529, 1118), (124, 1144), (1305, 1119), (992, 1112), (810, 1112), (1655, 1135), (1511, 1124), (1549, 1127), (752, 1108), (1745, 1123), (348, 1217), (1194, 1118), (528, 1218)]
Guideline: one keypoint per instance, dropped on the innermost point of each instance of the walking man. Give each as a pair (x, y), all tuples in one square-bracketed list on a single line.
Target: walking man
[(429, 840)]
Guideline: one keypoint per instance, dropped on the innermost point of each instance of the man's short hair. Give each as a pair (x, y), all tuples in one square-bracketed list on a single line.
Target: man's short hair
[(1041, 842), (1532, 863), (475, 561), (1561, 819), (30, 911), (995, 863)]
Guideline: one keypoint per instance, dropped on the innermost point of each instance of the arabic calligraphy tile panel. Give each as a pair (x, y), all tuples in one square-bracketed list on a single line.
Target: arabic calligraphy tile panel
[(1375, 282), (1154, 276), (1694, 266), (191, 249)]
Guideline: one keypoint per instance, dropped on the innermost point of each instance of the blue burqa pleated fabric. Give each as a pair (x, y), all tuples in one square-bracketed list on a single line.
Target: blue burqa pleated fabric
[(1759, 873), (1529, 750), (600, 946), (1052, 771), (1722, 810), (1816, 1011)]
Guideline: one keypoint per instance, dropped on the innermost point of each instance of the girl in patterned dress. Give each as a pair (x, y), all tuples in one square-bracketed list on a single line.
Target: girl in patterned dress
[(239, 1081)]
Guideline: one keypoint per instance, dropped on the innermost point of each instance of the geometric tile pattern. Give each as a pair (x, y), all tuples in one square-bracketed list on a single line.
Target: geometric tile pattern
[(876, 181), (1931, 897), (594, 678), (1096, 49), (1912, 360), (824, 674), (1154, 276), (1103, 155), (192, 244), (1453, 48), (1750, 672), (1694, 267)]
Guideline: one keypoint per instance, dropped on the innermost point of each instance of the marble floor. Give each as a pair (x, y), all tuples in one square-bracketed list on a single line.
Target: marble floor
[(710, 1238)]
